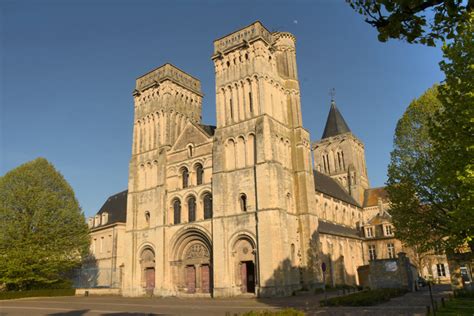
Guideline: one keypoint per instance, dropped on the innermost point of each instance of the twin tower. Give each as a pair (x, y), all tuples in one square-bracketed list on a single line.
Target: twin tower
[(230, 209)]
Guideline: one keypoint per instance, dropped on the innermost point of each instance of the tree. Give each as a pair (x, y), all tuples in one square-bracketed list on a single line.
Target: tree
[(416, 212), (452, 132), (43, 233), (407, 19)]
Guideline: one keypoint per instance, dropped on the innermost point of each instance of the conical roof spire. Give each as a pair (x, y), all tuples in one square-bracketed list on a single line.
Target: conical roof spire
[(335, 123)]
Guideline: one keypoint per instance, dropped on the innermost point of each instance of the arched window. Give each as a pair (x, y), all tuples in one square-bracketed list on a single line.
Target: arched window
[(177, 211), (185, 176), (243, 202), (293, 255), (207, 201), (190, 150), (147, 218), (199, 174), (191, 209)]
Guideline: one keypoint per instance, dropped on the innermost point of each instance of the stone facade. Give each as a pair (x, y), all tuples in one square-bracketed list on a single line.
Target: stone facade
[(238, 209)]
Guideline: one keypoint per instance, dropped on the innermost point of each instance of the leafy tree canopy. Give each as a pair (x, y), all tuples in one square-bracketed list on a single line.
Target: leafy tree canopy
[(431, 173), (452, 132), (43, 233), (416, 21), (415, 206)]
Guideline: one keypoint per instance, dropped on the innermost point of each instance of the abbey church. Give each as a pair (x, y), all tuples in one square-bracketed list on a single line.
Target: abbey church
[(250, 206)]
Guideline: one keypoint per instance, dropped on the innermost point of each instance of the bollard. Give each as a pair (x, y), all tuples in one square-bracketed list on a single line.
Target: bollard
[(442, 302), (428, 312), (86, 293)]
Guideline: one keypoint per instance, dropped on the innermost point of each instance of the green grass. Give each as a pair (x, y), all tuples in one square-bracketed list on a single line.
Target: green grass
[(36, 293), (457, 306), (284, 312), (364, 298)]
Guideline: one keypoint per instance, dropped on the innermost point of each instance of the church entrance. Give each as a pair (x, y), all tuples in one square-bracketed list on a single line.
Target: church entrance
[(245, 270), (191, 279), (147, 263), (247, 273), (205, 279), (149, 279), (191, 267)]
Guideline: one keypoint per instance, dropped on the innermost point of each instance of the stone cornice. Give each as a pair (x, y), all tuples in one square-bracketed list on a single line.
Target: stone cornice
[(168, 72), (243, 36)]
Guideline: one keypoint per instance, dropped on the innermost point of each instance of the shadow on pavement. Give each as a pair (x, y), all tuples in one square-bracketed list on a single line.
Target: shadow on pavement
[(133, 314), (71, 313)]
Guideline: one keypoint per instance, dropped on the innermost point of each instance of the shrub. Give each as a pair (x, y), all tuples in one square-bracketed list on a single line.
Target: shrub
[(37, 293), (464, 293), (365, 298), (284, 312)]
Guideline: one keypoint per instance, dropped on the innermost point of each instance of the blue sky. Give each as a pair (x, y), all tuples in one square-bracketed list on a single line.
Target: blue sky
[(68, 69)]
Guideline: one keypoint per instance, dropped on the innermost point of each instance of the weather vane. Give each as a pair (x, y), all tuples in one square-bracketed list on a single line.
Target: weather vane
[(332, 93)]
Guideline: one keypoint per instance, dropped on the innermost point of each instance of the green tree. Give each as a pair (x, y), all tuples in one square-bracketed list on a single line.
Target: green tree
[(43, 234), (452, 132), (415, 207), (408, 20)]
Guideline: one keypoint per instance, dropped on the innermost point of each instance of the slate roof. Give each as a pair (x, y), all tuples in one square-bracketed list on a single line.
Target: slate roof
[(327, 185), (379, 219), (335, 123), (209, 129), (116, 207), (371, 196), (339, 230)]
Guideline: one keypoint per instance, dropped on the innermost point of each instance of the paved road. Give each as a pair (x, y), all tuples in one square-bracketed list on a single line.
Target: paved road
[(410, 304)]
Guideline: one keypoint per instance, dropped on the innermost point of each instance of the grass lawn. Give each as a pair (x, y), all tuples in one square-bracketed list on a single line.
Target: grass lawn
[(457, 306)]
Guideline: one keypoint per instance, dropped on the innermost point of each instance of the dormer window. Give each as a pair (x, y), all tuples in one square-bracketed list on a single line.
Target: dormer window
[(90, 222), (96, 221), (369, 232), (105, 218), (388, 230)]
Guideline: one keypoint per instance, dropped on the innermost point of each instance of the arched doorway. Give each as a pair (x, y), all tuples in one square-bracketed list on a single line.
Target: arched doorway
[(192, 265), (147, 264), (244, 262), (197, 265)]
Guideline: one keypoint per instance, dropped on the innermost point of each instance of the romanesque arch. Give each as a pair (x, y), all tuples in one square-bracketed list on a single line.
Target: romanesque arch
[(191, 264), (147, 267), (244, 263)]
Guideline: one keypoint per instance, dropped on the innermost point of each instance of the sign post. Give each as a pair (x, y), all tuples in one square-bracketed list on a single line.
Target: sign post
[(323, 268)]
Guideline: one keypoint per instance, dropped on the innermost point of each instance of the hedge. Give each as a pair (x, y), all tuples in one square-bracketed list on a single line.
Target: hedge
[(463, 293), (36, 293), (364, 298)]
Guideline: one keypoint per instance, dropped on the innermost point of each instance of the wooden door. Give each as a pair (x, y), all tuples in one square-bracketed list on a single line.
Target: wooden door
[(205, 279), (150, 278), (191, 279), (250, 276), (243, 277)]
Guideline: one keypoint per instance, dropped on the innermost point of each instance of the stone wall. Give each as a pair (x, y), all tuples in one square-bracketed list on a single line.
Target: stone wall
[(388, 273)]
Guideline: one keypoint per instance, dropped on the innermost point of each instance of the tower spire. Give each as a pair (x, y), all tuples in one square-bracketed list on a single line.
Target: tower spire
[(335, 123)]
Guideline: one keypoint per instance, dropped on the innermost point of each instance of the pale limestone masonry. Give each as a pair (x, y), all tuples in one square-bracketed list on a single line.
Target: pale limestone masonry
[(238, 209)]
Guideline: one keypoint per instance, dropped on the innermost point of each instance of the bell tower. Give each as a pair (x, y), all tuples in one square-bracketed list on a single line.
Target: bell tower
[(262, 172), (165, 99), (341, 155)]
